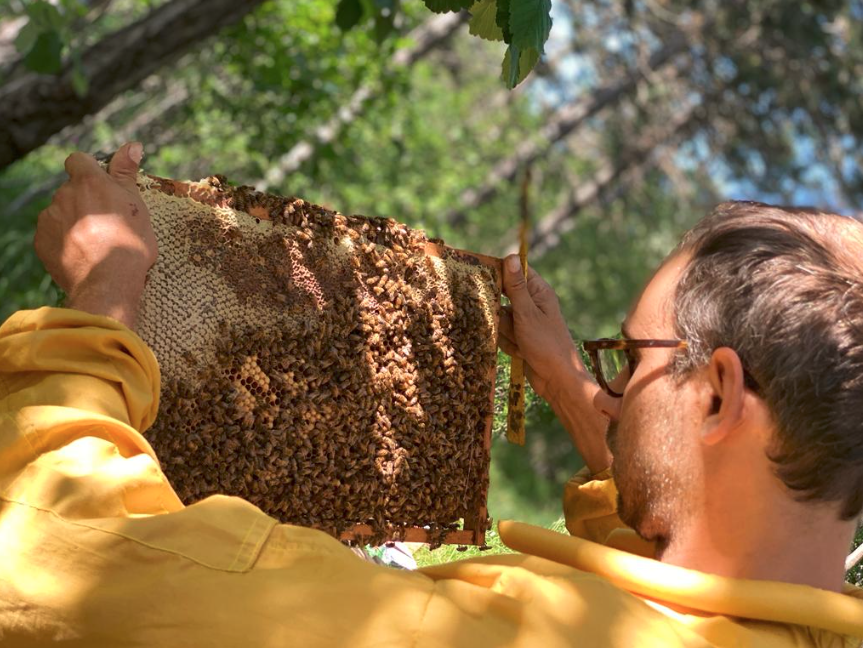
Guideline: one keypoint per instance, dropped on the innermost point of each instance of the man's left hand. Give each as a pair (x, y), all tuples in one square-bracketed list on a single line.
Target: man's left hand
[(96, 239)]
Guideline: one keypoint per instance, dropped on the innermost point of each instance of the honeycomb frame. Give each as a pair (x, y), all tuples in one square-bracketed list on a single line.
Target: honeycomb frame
[(223, 217)]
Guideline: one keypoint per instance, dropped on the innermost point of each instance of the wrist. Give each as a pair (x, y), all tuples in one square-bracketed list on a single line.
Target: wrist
[(119, 302), (573, 403), (570, 380)]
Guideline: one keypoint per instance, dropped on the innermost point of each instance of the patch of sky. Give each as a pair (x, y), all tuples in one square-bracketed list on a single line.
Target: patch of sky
[(815, 187), (574, 72), (724, 68)]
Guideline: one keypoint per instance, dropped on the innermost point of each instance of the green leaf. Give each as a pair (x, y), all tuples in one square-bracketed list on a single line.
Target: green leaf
[(385, 12), (501, 18), (384, 26), (444, 6), (45, 57), (348, 14), (26, 38), (515, 74), (483, 22), (80, 82), (510, 67), (44, 15), (530, 23)]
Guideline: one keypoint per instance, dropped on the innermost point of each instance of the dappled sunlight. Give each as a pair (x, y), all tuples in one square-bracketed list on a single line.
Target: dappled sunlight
[(341, 371)]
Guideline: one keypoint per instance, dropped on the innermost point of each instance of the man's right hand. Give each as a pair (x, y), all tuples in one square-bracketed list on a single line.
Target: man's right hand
[(96, 239), (533, 328)]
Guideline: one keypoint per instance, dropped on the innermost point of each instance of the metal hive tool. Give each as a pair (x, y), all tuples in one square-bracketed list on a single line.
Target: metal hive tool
[(336, 371)]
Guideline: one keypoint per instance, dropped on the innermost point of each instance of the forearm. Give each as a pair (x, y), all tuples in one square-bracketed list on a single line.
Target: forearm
[(572, 402)]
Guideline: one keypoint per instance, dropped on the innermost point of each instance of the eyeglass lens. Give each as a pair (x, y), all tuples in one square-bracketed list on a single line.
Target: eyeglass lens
[(612, 363)]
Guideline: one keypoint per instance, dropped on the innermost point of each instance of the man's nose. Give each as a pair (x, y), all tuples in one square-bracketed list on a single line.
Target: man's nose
[(607, 405)]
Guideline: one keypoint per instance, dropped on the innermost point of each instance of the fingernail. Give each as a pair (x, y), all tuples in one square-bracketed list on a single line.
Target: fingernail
[(513, 264), (136, 152)]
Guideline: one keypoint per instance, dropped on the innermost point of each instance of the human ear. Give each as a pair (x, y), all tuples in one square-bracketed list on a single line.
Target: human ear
[(723, 395)]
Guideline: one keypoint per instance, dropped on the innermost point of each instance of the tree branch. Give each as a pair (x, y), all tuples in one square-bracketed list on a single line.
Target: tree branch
[(9, 30), (550, 229), (426, 37), (561, 124), (34, 107), (176, 95)]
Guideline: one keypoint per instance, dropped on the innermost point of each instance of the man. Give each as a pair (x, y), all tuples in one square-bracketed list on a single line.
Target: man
[(736, 437)]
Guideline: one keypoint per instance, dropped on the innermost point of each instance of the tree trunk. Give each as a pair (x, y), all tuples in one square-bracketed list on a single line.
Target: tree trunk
[(426, 37), (34, 106), (9, 30), (175, 96), (561, 124)]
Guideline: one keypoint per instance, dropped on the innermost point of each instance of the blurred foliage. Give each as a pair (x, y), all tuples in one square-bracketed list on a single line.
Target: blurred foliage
[(855, 574), (263, 86), (773, 87), (448, 553), (524, 25)]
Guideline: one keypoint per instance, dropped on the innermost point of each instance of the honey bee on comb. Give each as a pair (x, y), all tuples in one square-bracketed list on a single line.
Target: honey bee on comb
[(336, 371)]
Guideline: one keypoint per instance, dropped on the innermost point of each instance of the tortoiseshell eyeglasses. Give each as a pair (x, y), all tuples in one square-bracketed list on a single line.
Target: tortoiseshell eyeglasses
[(610, 357)]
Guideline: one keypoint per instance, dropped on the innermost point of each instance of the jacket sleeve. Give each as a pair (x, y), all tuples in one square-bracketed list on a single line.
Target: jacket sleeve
[(590, 505), (64, 375), (590, 510), (97, 550)]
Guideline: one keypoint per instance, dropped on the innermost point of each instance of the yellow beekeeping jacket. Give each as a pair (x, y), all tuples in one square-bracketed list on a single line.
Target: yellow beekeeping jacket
[(96, 549)]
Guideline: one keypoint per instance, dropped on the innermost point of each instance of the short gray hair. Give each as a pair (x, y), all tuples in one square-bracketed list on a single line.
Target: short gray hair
[(782, 287)]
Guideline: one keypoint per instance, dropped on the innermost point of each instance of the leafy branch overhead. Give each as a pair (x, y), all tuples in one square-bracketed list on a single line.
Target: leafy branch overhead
[(47, 36), (523, 25)]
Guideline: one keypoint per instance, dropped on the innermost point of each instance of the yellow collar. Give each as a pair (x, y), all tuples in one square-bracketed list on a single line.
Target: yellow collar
[(760, 600)]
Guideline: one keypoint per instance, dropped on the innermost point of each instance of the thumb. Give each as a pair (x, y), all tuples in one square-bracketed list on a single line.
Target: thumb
[(515, 285), (123, 167)]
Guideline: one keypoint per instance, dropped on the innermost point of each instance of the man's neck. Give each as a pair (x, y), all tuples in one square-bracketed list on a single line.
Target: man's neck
[(786, 542)]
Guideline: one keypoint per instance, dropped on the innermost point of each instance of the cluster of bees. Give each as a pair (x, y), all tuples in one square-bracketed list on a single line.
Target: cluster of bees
[(340, 370)]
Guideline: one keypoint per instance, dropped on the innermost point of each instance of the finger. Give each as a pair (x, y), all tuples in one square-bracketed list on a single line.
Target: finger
[(508, 346), (515, 286), (542, 294), (46, 215), (535, 282), (38, 241), (123, 167), (80, 164), (505, 324), (43, 226), (63, 193), (535, 381)]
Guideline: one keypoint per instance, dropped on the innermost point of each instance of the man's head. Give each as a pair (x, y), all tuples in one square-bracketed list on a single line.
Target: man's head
[(770, 302)]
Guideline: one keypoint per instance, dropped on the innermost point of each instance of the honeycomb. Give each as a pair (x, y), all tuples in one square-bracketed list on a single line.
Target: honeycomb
[(336, 371)]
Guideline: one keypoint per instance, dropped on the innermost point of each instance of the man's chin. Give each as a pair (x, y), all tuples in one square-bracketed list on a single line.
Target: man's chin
[(637, 520)]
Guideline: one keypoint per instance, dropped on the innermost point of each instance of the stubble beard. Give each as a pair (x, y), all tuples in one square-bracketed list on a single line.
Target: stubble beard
[(651, 466)]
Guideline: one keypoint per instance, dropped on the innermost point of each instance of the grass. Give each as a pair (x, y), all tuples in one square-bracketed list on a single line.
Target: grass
[(426, 557), (855, 574)]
